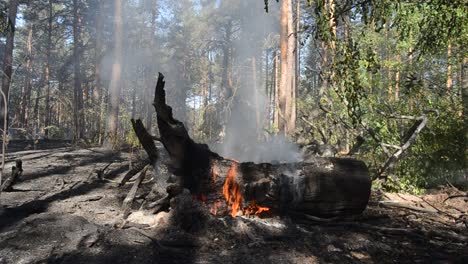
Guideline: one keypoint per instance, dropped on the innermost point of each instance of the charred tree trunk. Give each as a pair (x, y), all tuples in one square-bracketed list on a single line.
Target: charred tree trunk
[(324, 187)]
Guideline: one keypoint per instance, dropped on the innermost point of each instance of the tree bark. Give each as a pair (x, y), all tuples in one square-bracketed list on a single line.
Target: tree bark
[(256, 99), (8, 57), (26, 92), (98, 88), (276, 93), (397, 79), (149, 111), (78, 92), (292, 43), (297, 60), (284, 87), (47, 68)]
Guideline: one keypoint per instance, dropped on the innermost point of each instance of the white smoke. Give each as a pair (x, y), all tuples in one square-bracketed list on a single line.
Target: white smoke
[(244, 140)]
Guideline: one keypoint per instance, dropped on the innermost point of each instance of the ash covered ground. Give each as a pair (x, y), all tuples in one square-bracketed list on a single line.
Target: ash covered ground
[(60, 212)]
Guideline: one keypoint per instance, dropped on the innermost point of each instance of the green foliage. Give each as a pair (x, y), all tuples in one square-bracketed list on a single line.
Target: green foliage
[(55, 132), (393, 63), (132, 139)]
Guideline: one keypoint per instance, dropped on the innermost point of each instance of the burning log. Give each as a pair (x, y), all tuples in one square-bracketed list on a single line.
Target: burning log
[(324, 187)]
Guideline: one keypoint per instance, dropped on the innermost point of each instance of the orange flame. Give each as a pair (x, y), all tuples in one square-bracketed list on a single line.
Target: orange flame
[(232, 194), (253, 208), (231, 190)]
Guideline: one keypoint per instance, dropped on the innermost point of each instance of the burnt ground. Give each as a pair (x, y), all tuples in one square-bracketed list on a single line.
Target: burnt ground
[(59, 212)]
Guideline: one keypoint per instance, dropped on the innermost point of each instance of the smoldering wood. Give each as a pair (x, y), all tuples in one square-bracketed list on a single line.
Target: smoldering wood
[(325, 187), (16, 172)]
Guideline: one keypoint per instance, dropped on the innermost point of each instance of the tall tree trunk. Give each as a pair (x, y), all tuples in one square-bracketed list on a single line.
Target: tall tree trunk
[(26, 92), (268, 90), (78, 92), (149, 86), (276, 92), (291, 113), (226, 77), (464, 93), (388, 68), (449, 83), (8, 58), (266, 71), (331, 6), (397, 79), (284, 95), (47, 68), (255, 92), (98, 89), (410, 66), (297, 71), (37, 120), (115, 83), (227, 56)]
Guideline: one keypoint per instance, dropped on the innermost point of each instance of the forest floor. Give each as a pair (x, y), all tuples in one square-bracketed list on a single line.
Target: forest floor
[(59, 212)]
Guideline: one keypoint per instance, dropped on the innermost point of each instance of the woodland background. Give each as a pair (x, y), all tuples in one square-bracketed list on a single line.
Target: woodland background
[(356, 76)]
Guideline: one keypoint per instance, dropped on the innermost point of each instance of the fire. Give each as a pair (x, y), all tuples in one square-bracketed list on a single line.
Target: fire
[(257, 209), (231, 190), (232, 194)]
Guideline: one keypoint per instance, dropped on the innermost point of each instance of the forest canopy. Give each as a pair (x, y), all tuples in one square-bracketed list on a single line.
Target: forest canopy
[(383, 81)]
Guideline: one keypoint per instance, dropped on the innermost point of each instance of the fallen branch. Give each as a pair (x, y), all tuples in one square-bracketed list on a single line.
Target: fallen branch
[(405, 206), (455, 196), (138, 167), (100, 173), (440, 211), (409, 139), (418, 233), (127, 203)]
